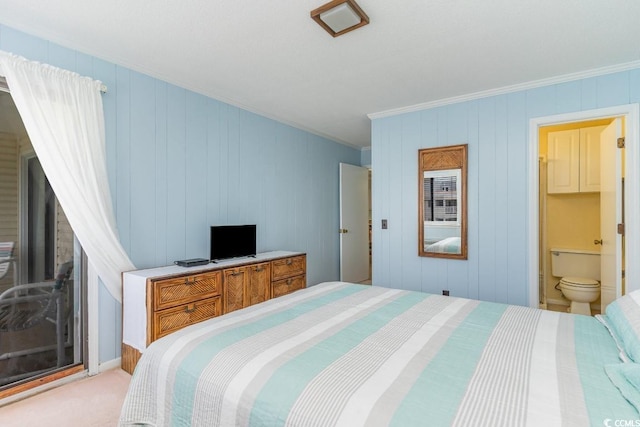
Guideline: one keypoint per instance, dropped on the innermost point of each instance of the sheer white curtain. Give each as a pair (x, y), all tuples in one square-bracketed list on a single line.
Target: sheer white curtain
[(62, 113)]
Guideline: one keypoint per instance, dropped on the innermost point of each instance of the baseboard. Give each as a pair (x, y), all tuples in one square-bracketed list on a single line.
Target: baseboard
[(108, 365)]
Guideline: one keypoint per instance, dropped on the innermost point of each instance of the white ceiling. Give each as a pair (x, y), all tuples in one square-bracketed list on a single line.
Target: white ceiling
[(270, 57)]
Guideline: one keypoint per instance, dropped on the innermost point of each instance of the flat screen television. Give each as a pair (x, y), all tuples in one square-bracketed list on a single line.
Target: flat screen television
[(232, 241)]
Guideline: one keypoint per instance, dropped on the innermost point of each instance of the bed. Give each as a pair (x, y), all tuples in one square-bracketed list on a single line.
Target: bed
[(355, 355)]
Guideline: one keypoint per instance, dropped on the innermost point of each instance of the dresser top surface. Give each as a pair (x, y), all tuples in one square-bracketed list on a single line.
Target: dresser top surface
[(171, 270)]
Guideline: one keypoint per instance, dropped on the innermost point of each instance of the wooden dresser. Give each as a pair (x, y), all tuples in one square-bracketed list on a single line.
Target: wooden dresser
[(159, 301)]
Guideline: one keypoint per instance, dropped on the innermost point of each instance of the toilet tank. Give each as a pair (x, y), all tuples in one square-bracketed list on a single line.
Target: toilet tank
[(575, 263)]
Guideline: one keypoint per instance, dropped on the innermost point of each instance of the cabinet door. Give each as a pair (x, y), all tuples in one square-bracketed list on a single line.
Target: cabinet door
[(234, 288), (590, 159), (288, 267), (563, 162), (184, 289), (176, 318), (259, 286), (286, 286)]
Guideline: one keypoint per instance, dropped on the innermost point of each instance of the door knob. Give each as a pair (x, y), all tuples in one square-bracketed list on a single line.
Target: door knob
[(597, 242), (343, 231)]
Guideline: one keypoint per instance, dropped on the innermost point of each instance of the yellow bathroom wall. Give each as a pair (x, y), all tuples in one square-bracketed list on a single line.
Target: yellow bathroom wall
[(572, 220)]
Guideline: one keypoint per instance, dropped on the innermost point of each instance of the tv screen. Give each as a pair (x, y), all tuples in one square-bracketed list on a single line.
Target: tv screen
[(231, 241)]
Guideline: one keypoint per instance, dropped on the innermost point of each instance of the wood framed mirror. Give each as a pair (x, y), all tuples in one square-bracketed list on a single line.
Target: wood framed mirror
[(442, 202)]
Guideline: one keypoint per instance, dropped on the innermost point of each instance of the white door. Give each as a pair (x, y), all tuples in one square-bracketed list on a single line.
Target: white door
[(610, 213), (354, 223)]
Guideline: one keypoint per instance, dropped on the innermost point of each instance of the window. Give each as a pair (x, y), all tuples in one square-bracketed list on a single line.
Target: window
[(441, 196)]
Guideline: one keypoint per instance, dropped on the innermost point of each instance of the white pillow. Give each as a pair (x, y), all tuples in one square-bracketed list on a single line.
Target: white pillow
[(623, 318)]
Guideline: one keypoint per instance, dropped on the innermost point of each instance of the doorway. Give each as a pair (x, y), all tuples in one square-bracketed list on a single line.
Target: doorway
[(42, 296), (572, 205), (539, 268), (355, 224)]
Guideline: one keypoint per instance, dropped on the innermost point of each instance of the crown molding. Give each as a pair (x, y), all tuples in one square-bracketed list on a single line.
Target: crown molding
[(508, 89)]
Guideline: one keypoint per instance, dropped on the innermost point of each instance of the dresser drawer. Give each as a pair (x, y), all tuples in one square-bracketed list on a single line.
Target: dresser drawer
[(181, 290), (288, 267), (172, 319), (286, 286)]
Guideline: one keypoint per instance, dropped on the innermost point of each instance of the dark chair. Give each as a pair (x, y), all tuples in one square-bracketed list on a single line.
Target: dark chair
[(25, 306), (7, 260)]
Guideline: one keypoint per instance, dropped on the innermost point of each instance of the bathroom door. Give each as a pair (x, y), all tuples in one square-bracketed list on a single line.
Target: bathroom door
[(354, 223), (610, 213)]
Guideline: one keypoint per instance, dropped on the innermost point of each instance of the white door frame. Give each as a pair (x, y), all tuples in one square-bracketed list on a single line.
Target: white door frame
[(93, 320), (631, 113)]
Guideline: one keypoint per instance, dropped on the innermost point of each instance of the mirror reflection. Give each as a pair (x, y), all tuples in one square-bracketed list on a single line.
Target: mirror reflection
[(441, 220), (442, 202)]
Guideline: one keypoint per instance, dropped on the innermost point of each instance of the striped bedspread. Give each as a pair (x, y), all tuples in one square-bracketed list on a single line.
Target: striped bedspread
[(354, 355)]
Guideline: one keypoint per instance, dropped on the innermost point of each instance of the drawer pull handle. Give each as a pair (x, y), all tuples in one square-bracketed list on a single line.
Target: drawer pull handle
[(289, 281), (259, 269), (289, 262), (190, 310), (189, 282), (236, 273)]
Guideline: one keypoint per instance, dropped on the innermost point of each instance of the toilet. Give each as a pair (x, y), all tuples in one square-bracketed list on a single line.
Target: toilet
[(579, 273)]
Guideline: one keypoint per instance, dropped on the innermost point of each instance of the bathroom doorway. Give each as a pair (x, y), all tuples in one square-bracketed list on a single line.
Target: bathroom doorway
[(572, 206), (577, 227)]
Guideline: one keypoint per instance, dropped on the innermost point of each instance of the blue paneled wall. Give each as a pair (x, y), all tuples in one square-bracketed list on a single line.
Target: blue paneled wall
[(496, 129), (179, 162)]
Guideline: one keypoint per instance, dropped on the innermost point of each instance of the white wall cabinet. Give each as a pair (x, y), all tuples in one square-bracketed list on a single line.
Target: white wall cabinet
[(574, 160)]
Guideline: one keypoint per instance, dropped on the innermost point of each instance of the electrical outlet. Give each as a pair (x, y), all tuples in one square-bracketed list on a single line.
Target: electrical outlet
[(384, 224), (445, 292)]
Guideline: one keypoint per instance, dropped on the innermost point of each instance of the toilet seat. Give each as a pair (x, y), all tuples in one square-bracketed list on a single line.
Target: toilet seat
[(579, 283)]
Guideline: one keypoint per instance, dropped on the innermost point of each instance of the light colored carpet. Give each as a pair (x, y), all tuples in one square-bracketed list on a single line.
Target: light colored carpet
[(93, 401)]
